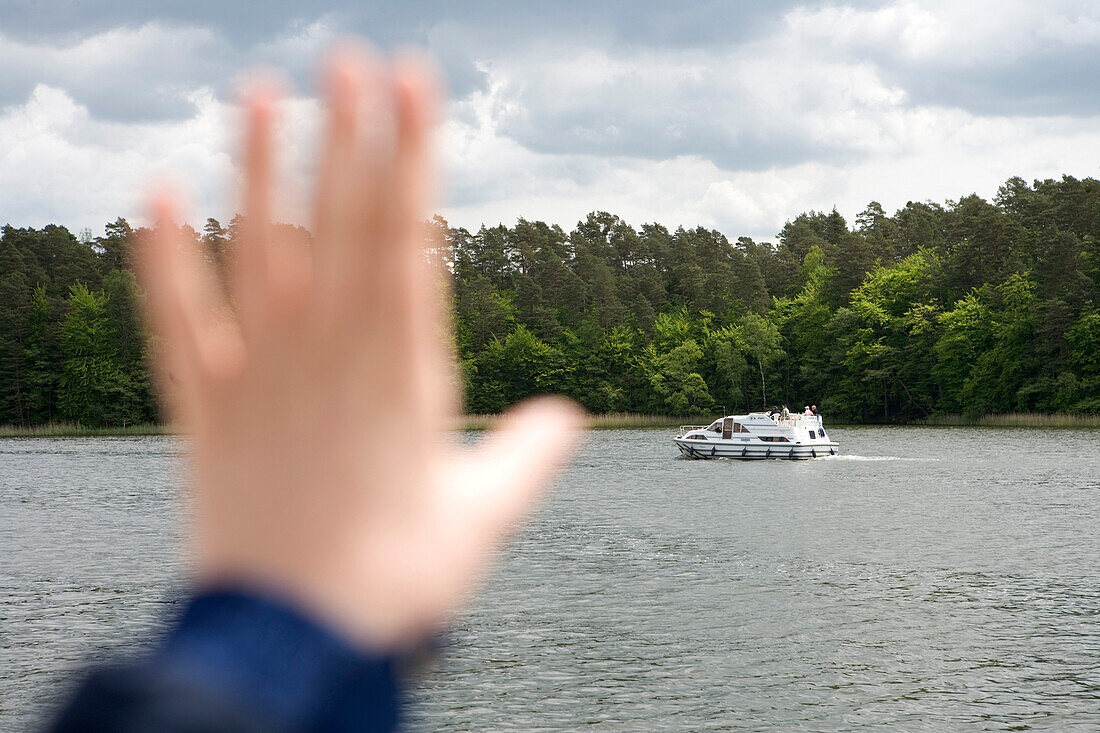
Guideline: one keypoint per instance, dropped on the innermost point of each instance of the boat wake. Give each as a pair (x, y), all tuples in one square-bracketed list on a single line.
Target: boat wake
[(870, 458)]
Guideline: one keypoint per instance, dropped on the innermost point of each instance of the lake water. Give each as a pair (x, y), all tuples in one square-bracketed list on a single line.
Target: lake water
[(928, 578)]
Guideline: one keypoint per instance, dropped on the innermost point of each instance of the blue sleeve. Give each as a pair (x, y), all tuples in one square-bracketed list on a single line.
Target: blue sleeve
[(240, 662)]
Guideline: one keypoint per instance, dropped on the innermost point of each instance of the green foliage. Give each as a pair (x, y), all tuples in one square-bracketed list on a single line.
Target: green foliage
[(41, 348), (967, 333), (513, 369), (1084, 342), (673, 375), (761, 339), (970, 307), (129, 343), (94, 390), (803, 323), (15, 294)]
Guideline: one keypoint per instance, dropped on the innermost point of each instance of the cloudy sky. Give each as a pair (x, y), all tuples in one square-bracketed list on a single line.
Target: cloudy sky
[(733, 115)]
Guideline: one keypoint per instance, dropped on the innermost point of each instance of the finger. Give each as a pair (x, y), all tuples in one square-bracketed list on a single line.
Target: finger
[(512, 468), (183, 305), (171, 300), (404, 292), (336, 181), (415, 98), (251, 270), (351, 82), (495, 486), (436, 362)]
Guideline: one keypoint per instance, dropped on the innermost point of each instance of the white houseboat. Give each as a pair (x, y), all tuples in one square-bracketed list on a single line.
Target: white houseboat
[(757, 435)]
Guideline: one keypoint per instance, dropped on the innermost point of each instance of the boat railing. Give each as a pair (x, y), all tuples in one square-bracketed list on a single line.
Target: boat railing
[(689, 428), (798, 420)]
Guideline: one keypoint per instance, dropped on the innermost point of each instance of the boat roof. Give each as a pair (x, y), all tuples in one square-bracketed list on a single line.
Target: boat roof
[(754, 416), (765, 419)]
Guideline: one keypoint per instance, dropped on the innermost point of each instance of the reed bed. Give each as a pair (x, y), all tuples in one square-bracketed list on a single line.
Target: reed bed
[(73, 430), (466, 422), (638, 420), (1018, 420), (606, 421)]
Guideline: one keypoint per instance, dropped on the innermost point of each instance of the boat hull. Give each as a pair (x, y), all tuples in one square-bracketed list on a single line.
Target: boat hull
[(755, 451)]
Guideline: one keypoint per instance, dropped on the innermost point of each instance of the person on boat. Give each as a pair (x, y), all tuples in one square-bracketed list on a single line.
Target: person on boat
[(813, 408), (785, 413), (807, 412), (321, 556)]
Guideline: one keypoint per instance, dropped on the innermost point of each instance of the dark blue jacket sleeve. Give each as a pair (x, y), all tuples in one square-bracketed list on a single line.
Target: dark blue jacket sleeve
[(240, 662)]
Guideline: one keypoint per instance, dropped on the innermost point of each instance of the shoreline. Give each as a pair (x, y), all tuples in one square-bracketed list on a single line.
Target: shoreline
[(75, 430), (1013, 420), (608, 421)]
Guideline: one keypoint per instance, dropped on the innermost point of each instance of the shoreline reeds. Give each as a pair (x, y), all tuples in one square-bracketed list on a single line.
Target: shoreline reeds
[(76, 430), (606, 421), (1015, 420)]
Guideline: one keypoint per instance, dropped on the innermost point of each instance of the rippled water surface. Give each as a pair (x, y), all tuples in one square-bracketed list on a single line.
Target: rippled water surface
[(928, 578)]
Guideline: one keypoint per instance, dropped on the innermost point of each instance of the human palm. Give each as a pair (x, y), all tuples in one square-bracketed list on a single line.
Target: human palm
[(319, 400)]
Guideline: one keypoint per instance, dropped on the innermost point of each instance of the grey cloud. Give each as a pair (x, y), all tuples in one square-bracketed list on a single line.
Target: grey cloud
[(248, 21), (641, 131), (1032, 67), (629, 117), (63, 21), (462, 33), (135, 75), (458, 34), (639, 107), (1052, 82)]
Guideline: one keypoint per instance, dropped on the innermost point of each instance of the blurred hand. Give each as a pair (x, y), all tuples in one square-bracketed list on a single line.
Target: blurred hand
[(319, 403)]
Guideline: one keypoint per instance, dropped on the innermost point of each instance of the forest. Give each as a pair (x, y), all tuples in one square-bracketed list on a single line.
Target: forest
[(968, 307)]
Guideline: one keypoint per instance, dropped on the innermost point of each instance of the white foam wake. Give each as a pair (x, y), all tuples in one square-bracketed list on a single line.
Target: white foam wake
[(845, 457)]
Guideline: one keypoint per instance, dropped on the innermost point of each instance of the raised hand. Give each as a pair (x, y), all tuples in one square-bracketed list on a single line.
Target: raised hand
[(320, 392)]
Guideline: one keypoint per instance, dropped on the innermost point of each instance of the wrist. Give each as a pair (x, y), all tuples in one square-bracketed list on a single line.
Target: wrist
[(279, 660)]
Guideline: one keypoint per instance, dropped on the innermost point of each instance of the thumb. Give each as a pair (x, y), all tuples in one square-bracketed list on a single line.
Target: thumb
[(513, 466)]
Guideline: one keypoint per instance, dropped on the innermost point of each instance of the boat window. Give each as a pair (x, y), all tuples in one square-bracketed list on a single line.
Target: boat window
[(738, 429), (812, 435), (716, 426), (774, 439), (698, 436)]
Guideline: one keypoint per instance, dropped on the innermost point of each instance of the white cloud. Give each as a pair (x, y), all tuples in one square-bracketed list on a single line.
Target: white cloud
[(552, 136), (913, 154), (58, 164), (946, 33)]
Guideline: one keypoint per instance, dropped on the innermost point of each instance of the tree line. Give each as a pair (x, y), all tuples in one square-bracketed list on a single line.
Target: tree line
[(970, 306)]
